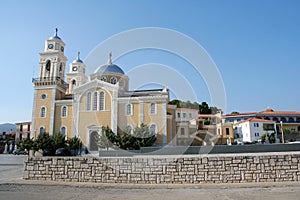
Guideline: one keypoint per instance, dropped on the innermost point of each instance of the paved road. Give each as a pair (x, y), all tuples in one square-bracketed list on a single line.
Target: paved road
[(13, 187)]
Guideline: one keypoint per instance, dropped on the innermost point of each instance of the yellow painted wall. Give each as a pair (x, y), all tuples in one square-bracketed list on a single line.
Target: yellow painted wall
[(64, 121), (38, 121), (89, 118)]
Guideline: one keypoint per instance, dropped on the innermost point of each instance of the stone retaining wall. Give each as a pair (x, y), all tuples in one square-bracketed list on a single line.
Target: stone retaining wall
[(233, 168)]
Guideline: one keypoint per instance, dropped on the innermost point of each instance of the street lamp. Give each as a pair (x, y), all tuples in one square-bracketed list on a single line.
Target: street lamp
[(282, 136)]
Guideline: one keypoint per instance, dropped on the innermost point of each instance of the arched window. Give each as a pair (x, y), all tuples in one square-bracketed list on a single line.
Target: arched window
[(64, 111), (73, 82), (101, 100), (63, 130), (113, 80), (48, 65), (129, 109), (43, 112), (103, 78), (275, 119), (152, 129), (152, 108), (291, 120), (60, 67), (283, 119), (88, 101), (95, 100), (42, 130)]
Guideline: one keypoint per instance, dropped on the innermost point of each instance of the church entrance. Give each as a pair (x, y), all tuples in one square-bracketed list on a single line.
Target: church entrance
[(93, 141)]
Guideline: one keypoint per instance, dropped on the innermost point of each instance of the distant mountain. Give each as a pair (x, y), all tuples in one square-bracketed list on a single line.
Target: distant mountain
[(7, 128)]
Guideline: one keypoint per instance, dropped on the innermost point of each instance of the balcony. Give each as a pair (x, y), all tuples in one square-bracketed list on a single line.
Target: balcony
[(49, 81)]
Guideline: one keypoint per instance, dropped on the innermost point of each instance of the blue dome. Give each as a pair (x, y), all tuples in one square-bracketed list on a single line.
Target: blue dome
[(77, 61), (109, 68), (55, 37)]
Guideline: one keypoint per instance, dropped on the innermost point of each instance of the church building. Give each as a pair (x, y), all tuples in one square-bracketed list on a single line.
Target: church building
[(75, 104)]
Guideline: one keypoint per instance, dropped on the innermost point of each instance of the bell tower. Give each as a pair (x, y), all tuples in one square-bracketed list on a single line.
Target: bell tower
[(52, 59), (76, 76), (49, 86)]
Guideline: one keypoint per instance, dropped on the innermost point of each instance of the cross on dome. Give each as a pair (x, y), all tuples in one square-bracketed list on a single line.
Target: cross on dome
[(109, 58)]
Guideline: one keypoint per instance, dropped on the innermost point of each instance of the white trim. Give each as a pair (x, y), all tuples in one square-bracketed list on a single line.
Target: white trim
[(164, 123), (52, 113), (91, 129), (141, 112), (32, 135), (157, 99), (64, 102), (95, 84), (114, 112)]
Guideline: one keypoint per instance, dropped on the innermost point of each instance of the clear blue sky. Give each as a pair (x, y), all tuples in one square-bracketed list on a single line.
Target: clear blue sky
[(254, 43)]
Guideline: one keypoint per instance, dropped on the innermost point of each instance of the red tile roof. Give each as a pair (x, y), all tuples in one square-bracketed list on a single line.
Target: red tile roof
[(256, 120), (268, 111)]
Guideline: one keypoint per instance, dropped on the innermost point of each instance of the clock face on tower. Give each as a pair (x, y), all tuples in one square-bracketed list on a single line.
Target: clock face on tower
[(50, 46), (74, 69)]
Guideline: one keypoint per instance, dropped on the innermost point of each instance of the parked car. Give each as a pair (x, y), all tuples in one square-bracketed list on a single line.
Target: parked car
[(20, 152), (63, 152)]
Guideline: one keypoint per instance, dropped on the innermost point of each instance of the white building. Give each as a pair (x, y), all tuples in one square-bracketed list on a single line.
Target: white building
[(252, 129)]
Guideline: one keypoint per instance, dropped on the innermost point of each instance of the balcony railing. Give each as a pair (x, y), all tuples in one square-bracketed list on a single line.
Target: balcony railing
[(49, 81)]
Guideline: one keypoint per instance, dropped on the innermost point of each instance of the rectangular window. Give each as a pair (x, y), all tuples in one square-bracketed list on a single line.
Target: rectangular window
[(178, 115), (190, 115), (184, 115), (182, 131), (227, 131)]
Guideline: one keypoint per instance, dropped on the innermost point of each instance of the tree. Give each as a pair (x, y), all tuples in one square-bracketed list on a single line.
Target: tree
[(59, 141), (263, 138), (204, 108), (45, 142), (235, 113), (143, 136), (26, 144), (75, 145), (272, 138), (106, 139)]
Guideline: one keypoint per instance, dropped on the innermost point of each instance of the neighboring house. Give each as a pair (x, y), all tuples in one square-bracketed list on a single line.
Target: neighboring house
[(186, 125), (82, 105), (23, 130), (290, 120), (252, 129)]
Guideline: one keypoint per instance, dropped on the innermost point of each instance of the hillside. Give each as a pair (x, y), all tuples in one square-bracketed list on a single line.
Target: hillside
[(7, 127)]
